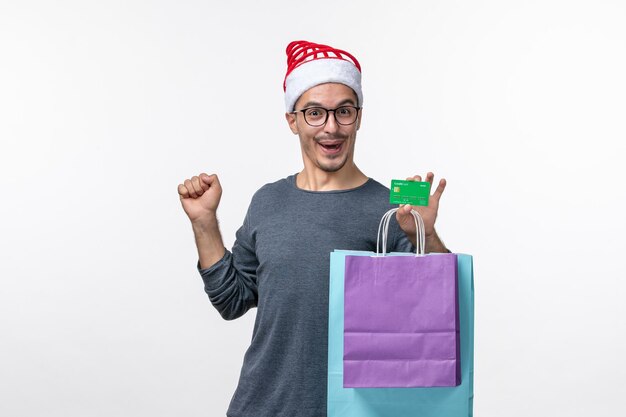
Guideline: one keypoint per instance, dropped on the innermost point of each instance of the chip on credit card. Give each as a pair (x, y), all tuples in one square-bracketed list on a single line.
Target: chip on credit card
[(415, 193)]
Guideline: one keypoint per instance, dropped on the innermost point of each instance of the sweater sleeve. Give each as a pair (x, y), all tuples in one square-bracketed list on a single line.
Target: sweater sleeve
[(231, 283), (402, 243)]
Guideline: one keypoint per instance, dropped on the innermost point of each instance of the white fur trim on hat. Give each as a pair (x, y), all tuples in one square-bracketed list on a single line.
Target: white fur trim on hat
[(321, 71)]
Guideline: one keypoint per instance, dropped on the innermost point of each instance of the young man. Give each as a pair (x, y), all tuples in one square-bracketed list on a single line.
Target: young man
[(280, 260)]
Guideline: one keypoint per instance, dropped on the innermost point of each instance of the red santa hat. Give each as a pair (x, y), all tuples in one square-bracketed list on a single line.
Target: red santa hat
[(310, 64)]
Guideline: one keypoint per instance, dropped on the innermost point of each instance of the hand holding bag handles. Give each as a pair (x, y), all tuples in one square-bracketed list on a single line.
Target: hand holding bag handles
[(384, 227)]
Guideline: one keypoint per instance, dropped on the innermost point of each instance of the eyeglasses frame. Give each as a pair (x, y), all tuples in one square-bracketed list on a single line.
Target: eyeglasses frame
[(328, 114)]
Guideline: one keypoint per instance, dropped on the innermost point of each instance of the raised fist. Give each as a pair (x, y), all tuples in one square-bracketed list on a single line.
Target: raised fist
[(200, 197)]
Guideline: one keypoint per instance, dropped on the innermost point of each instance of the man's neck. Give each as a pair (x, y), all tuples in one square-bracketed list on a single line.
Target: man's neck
[(317, 180)]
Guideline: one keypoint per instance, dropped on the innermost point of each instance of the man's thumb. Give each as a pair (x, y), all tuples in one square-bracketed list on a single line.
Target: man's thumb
[(209, 179)]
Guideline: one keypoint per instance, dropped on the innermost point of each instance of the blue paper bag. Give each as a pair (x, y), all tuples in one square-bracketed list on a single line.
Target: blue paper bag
[(399, 402)]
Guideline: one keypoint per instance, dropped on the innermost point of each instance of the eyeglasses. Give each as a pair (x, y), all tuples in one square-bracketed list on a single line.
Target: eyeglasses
[(318, 116)]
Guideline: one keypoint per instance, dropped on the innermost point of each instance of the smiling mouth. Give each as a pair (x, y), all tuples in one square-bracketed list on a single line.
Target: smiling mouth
[(331, 146)]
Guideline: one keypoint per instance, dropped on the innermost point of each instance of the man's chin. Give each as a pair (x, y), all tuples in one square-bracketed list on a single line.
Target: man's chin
[(333, 166)]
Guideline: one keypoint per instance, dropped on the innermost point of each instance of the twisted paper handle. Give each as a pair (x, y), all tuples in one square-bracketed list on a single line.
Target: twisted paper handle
[(384, 227)]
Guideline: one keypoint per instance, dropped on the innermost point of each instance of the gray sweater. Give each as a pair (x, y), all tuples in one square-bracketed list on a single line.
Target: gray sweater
[(280, 264)]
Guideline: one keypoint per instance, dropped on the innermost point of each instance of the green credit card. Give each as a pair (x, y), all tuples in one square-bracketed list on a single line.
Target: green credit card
[(415, 193)]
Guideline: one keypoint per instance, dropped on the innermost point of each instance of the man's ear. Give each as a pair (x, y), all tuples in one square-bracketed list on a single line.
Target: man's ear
[(358, 119), (292, 122)]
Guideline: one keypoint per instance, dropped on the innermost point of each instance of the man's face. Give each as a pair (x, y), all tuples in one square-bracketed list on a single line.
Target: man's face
[(330, 146)]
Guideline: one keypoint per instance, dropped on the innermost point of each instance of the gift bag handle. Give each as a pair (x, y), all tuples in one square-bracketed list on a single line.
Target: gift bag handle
[(383, 227)]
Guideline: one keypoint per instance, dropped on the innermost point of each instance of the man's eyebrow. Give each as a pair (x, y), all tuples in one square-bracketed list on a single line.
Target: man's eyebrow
[(346, 101), (311, 104), (316, 104)]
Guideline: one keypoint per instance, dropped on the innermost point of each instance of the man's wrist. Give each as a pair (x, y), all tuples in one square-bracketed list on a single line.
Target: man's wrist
[(206, 224), (208, 241), (434, 244)]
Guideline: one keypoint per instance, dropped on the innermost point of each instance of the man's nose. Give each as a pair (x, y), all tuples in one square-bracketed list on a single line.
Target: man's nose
[(331, 122)]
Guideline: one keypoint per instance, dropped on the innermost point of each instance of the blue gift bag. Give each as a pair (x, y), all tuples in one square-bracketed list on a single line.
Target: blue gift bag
[(399, 402)]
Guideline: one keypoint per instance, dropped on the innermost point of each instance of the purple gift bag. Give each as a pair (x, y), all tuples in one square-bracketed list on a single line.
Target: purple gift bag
[(401, 321)]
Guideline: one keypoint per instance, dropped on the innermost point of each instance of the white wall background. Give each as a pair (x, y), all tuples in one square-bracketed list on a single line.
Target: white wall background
[(106, 106)]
